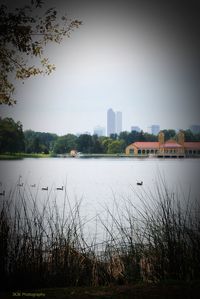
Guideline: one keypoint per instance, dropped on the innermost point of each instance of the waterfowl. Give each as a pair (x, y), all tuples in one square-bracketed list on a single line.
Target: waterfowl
[(59, 188), (140, 183), (2, 193), (34, 185), (45, 188), (20, 184)]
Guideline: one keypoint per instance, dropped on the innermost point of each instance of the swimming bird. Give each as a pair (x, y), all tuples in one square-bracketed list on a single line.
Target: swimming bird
[(59, 188), (140, 183), (2, 193), (20, 184), (45, 188), (34, 185)]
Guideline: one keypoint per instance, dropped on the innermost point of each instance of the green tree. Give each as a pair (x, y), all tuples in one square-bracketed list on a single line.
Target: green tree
[(97, 146), (150, 137), (190, 137), (105, 141), (113, 136), (11, 136), (131, 137), (36, 145), (169, 134), (141, 136), (125, 137), (85, 143), (24, 34), (65, 144), (116, 147), (39, 142)]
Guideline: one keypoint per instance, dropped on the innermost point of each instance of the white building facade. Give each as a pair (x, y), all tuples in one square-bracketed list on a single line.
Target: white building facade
[(118, 122), (111, 127), (114, 122)]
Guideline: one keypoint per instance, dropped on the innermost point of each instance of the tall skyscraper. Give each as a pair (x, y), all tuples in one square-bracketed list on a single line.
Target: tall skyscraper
[(118, 122), (111, 127)]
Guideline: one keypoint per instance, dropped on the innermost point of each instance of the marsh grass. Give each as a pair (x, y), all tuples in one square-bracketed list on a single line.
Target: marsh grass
[(159, 239), (41, 246), (45, 246)]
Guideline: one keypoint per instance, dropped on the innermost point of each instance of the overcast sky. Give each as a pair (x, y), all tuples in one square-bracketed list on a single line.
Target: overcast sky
[(136, 58)]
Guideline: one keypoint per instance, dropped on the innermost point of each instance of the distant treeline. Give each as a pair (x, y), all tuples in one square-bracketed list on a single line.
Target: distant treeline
[(14, 140)]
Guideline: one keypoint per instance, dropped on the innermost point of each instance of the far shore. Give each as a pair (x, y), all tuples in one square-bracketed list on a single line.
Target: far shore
[(20, 156)]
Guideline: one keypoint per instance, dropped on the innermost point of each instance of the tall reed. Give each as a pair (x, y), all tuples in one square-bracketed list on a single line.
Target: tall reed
[(43, 245), (159, 238), (40, 244)]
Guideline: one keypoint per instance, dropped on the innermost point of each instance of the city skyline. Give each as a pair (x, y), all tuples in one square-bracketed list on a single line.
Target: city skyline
[(123, 56), (114, 122), (111, 122), (101, 129), (118, 122)]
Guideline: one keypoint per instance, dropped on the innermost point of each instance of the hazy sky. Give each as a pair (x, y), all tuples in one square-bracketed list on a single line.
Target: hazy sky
[(131, 56)]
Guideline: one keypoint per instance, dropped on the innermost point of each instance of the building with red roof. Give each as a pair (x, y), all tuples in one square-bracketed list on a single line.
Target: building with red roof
[(170, 148)]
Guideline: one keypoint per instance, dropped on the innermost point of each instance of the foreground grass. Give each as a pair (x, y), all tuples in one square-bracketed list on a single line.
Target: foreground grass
[(43, 246)]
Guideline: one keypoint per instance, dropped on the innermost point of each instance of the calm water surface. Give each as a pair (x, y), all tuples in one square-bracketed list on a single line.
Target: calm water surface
[(98, 181)]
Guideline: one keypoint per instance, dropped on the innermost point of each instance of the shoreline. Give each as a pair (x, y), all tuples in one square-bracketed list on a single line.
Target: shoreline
[(21, 156)]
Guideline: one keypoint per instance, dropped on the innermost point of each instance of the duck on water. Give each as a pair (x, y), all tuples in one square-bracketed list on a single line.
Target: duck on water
[(60, 188)]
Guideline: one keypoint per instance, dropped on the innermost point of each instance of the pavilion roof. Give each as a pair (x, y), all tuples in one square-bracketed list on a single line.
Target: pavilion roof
[(192, 145), (167, 144), (170, 144), (148, 145)]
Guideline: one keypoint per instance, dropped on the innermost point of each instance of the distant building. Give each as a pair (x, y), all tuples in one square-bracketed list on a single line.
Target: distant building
[(114, 122), (118, 119), (99, 131), (170, 148), (155, 129), (111, 125), (195, 129), (135, 128)]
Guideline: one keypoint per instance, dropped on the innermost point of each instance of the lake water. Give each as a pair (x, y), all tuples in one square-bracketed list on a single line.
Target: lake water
[(98, 181)]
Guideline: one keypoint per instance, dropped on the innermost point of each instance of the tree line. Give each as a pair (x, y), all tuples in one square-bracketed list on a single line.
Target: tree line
[(14, 140)]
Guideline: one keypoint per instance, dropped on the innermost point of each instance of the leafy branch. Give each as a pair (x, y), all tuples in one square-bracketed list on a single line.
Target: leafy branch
[(24, 36)]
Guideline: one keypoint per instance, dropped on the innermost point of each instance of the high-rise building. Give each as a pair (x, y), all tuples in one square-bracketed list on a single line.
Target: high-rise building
[(155, 129), (99, 131), (135, 128), (118, 122), (111, 127)]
